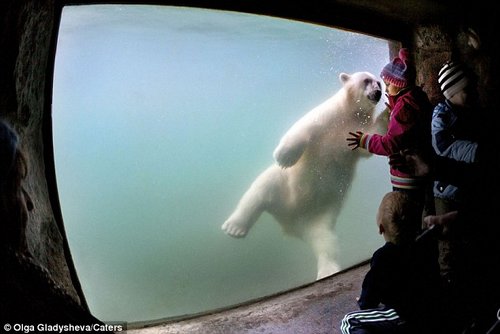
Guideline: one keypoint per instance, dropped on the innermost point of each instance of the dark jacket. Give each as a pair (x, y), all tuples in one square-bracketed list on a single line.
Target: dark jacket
[(405, 279), (454, 135)]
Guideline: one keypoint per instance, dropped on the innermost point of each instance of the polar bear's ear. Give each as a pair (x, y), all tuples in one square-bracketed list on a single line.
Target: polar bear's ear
[(344, 77)]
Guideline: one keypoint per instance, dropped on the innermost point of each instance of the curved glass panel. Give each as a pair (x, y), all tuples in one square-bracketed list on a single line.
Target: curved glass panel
[(162, 118)]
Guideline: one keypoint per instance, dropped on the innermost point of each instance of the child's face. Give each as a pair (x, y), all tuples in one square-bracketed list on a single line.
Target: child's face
[(464, 98), (391, 90)]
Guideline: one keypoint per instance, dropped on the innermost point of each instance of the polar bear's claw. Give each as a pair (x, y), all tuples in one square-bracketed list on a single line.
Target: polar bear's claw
[(233, 229)]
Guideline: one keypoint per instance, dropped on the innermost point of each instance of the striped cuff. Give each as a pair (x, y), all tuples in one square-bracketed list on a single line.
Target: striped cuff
[(364, 141), (405, 182)]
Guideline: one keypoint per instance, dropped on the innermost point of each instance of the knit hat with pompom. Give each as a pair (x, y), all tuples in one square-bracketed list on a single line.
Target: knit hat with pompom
[(399, 71)]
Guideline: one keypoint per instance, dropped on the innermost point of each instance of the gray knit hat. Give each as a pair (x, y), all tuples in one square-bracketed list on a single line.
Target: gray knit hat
[(452, 78)]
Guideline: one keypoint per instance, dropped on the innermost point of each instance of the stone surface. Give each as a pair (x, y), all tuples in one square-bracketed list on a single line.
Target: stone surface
[(316, 308)]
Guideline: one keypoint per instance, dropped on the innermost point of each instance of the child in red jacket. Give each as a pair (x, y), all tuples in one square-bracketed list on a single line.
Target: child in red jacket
[(410, 113)]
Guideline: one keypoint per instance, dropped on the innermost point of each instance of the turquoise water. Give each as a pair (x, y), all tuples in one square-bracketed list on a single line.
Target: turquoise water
[(162, 118)]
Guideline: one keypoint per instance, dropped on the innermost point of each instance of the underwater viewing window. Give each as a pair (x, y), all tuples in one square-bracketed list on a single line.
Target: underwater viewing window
[(162, 118)]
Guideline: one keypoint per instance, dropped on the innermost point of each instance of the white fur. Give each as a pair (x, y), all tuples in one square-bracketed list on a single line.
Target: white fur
[(304, 191)]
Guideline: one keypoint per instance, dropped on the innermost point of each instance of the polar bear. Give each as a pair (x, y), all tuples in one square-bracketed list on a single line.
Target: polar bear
[(305, 189)]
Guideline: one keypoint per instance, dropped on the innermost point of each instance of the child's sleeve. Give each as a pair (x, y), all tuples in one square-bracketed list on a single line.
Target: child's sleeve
[(392, 141), (444, 142)]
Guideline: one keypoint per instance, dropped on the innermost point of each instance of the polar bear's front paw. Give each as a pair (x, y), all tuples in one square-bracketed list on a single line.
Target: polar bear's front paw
[(235, 229), (287, 156)]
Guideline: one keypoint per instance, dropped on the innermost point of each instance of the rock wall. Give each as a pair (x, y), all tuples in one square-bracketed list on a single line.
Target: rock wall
[(470, 40), (40, 283)]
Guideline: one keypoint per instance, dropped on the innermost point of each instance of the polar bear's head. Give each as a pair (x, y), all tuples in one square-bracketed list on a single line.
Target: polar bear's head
[(363, 88)]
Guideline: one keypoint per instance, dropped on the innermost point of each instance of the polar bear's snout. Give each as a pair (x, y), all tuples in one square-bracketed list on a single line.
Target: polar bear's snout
[(373, 89), (375, 95)]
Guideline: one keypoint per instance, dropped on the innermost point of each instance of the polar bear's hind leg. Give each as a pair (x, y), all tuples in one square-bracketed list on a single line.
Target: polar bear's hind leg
[(243, 218), (253, 203), (321, 237)]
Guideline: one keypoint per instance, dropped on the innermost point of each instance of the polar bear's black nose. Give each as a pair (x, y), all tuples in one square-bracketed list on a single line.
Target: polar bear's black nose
[(375, 95)]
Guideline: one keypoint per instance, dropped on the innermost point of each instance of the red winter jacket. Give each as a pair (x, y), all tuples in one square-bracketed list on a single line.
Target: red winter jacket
[(409, 128)]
